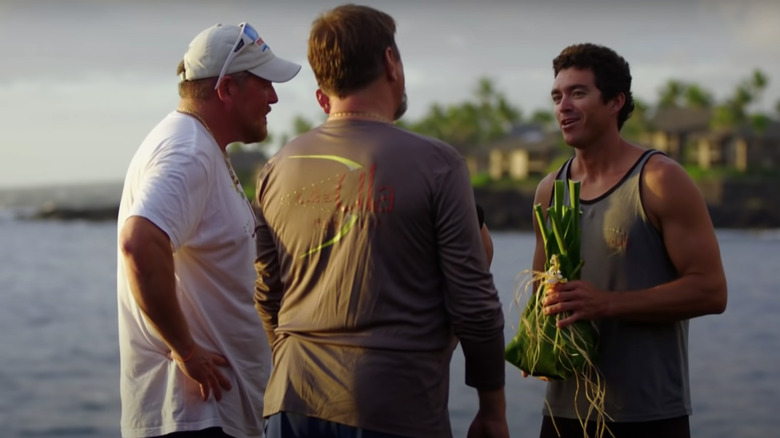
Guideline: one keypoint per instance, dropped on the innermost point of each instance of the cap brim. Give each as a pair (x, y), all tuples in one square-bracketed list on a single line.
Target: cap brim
[(276, 70)]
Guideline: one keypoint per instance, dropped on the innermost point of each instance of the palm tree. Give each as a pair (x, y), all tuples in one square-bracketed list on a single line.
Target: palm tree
[(485, 90), (637, 124), (470, 124), (733, 112), (544, 118), (697, 97), (496, 115), (758, 83), (301, 125), (670, 94), (777, 108)]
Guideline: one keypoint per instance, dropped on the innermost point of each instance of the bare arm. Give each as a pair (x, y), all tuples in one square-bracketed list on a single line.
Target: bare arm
[(675, 205), (487, 243), (148, 258), (149, 261), (490, 421)]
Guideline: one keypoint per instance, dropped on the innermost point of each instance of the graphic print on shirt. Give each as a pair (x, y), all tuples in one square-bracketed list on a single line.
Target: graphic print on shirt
[(616, 239), (344, 197)]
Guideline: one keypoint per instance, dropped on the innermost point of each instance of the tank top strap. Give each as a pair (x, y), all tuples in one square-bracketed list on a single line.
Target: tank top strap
[(564, 172), (640, 163)]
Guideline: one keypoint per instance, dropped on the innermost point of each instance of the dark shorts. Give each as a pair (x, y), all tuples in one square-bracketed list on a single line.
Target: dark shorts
[(292, 425), (669, 428), (212, 432)]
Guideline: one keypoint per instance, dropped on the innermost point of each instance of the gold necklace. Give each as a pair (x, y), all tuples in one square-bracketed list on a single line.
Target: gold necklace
[(358, 114), (233, 176), (199, 118)]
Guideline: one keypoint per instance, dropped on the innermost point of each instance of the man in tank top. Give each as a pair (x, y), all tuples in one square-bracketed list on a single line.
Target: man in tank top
[(651, 257)]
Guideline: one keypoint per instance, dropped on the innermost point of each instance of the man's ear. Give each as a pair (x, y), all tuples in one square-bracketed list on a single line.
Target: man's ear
[(391, 64), (227, 89), (618, 102), (323, 100)]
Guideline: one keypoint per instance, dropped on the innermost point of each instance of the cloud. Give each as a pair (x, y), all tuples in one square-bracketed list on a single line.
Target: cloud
[(85, 128), (87, 79)]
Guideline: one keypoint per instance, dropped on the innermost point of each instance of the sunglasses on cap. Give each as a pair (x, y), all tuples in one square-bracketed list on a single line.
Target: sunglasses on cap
[(246, 37)]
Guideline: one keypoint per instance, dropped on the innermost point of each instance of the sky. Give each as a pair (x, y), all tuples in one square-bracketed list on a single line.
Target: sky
[(83, 81)]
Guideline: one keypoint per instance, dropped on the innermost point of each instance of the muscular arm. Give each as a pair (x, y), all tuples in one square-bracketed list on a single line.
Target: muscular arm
[(677, 208), (148, 258)]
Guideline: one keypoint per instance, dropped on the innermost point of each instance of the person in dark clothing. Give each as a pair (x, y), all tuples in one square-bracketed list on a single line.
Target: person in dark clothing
[(370, 259)]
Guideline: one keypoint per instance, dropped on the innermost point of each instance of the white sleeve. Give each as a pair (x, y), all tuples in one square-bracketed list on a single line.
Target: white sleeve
[(173, 192)]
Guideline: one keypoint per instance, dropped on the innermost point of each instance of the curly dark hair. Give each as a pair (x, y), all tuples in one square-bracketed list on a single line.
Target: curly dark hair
[(347, 47), (610, 70)]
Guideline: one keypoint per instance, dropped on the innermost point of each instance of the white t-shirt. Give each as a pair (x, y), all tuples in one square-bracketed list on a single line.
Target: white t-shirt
[(178, 179)]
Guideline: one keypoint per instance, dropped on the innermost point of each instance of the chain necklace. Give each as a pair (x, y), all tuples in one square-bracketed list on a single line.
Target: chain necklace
[(359, 114), (233, 176)]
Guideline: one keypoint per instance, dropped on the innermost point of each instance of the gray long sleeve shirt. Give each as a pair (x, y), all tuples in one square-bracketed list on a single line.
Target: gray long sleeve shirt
[(369, 261)]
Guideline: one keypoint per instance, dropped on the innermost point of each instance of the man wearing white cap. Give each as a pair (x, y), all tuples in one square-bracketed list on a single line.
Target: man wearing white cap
[(194, 357)]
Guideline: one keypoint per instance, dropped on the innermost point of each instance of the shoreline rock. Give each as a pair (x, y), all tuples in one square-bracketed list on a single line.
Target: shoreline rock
[(732, 204), (742, 204), (92, 214)]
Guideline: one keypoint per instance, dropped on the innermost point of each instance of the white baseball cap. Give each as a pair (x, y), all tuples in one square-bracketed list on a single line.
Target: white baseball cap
[(221, 50)]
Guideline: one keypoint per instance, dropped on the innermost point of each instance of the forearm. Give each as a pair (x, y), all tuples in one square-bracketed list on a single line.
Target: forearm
[(492, 401), (154, 290), (490, 420), (677, 209), (148, 260), (684, 298)]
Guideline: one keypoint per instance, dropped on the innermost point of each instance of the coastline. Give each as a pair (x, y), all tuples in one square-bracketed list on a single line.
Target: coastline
[(743, 205), (747, 203)]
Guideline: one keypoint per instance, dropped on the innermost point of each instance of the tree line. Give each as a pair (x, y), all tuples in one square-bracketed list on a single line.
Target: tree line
[(489, 115)]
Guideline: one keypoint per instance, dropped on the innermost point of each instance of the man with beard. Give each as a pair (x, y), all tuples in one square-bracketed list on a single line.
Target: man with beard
[(370, 259), (194, 362)]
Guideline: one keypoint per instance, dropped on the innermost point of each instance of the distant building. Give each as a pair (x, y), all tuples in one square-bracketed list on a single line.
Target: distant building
[(742, 149), (527, 150), (685, 134), (673, 128)]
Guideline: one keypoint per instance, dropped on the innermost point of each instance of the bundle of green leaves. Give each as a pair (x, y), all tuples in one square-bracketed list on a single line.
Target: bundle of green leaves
[(540, 347)]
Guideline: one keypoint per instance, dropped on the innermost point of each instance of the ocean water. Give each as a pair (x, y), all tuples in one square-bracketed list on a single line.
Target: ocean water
[(59, 354)]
